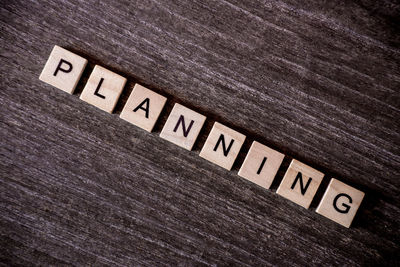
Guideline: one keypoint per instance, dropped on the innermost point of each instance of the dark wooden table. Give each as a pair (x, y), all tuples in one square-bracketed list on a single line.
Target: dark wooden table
[(316, 80)]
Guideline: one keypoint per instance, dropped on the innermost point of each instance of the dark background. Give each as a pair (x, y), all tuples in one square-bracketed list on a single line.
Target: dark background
[(316, 80)]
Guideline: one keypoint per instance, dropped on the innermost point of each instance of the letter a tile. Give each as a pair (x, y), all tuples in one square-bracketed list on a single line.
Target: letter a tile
[(222, 146), (300, 183), (103, 89), (63, 69), (143, 107), (183, 126), (340, 202), (261, 164)]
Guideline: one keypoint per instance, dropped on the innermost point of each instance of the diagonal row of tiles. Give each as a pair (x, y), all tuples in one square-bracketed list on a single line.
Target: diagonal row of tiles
[(340, 202)]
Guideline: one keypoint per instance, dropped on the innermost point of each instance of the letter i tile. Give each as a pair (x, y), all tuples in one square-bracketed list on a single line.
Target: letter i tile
[(261, 164)]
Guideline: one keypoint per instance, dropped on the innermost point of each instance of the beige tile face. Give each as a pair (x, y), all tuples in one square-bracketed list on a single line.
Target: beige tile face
[(222, 146), (103, 89), (340, 202), (63, 69), (261, 164), (143, 107), (183, 126), (300, 183)]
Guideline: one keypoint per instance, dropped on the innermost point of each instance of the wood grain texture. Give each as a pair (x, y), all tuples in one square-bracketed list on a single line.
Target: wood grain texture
[(316, 80)]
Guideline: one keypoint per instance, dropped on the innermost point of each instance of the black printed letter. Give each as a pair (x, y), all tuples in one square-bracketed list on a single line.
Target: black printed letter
[(98, 88), (185, 131), (146, 108), (261, 165), (225, 150), (302, 187), (346, 207), (63, 70)]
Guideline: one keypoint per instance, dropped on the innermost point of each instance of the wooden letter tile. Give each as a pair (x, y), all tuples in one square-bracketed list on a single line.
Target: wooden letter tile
[(183, 126), (222, 146), (143, 107), (340, 202), (103, 88), (63, 69), (261, 164), (300, 183)]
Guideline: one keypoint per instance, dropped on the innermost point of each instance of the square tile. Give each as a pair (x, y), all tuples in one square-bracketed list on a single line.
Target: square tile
[(222, 146), (103, 89), (261, 164), (63, 69), (143, 107), (340, 202), (300, 183), (183, 126)]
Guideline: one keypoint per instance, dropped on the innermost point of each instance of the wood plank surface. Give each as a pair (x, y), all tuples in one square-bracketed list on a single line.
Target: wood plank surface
[(316, 80)]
